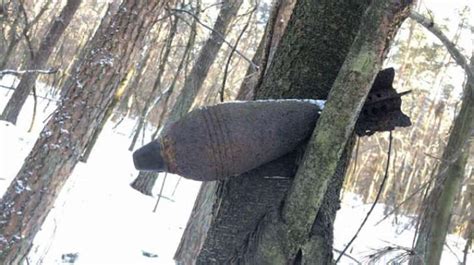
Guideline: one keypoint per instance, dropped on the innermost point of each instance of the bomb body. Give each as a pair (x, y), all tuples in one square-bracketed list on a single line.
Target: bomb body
[(229, 139), (232, 138)]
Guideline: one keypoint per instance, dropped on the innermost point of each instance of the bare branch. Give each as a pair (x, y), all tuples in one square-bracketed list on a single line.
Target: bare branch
[(450, 46), (347, 255), (375, 201), (21, 72), (220, 35), (161, 192), (234, 49)]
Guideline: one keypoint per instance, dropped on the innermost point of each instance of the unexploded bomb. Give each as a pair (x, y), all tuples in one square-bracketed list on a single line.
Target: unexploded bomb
[(232, 138), (219, 141)]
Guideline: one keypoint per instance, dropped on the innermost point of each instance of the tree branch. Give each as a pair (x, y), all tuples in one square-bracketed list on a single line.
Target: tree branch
[(234, 49), (220, 35), (375, 201), (21, 72), (284, 233), (336, 123), (450, 46)]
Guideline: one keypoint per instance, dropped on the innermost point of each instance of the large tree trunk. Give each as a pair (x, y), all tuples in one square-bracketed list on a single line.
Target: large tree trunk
[(439, 204), (58, 25), (86, 96), (305, 65)]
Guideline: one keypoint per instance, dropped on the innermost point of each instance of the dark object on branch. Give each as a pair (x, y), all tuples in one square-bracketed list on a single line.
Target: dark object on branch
[(382, 108), (219, 141), (232, 138)]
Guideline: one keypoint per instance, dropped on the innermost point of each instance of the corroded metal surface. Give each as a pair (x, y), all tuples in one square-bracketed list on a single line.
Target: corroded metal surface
[(232, 138), (382, 109)]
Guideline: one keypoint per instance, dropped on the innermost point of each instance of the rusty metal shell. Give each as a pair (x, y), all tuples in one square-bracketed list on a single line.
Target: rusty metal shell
[(230, 138)]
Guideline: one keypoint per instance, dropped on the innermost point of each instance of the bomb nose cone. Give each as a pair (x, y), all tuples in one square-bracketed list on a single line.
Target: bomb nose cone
[(148, 158)]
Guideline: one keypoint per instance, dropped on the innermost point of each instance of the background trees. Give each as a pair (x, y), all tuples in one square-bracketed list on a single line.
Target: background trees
[(94, 82), (304, 63)]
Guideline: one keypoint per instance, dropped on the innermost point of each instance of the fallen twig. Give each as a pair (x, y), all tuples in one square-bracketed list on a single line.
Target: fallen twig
[(348, 256), (29, 71), (406, 253)]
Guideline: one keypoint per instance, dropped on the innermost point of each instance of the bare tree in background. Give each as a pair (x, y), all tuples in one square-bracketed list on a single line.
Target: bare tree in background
[(27, 82), (16, 26), (207, 55), (86, 95), (437, 209)]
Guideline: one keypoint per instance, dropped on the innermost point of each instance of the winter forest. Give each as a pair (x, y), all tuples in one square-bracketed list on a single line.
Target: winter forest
[(236, 132)]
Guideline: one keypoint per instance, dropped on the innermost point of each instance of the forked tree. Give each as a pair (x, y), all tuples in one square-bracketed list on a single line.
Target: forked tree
[(48, 43), (269, 215)]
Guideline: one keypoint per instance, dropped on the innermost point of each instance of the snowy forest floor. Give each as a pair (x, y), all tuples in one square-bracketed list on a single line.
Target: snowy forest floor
[(99, 219)]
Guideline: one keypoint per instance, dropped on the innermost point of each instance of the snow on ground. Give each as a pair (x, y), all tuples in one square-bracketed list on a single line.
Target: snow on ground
[(389, 233), (100, 219)]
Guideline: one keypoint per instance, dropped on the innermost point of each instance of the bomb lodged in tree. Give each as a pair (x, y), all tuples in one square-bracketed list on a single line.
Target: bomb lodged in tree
[(229, 139)]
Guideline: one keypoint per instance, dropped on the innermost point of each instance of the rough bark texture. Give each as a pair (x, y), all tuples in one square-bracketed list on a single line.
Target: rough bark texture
[(280, 237), (207, 55), (19, 96), (86, 95), (274, 30), (305, 65), (145, 182), (439, 204)]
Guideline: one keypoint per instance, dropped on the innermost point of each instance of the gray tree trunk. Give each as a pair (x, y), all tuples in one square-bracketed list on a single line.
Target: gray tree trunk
[(57, 28), (305, 65), (440, 201), (86, 96), (274, 30), (207, 55)]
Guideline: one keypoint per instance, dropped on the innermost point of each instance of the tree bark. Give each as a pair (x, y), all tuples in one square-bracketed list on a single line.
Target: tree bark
[(276, 25), (57, 28), (440, 201), (305, 65), (282, 236), (86, 96)]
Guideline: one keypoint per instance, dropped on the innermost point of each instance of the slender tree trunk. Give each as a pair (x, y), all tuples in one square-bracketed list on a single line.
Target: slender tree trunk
[(305, 65), (274, 30), (439, 204), (140, 69), (86, 96), (208, 53), (14, 36), (151, 101), (57, 28)]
